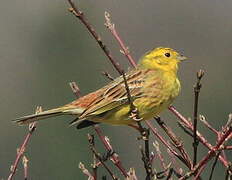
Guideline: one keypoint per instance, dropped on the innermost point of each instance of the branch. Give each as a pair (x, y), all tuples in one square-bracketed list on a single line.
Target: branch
[(160, 156), (85, 171), (163, 141), (22, 149), (115, 34), (201, 165), (94, 165), (114, 157), (97, 155), (197, 89), (177, 143), (206, 123), (25, 166), (80, 15), (214, 165), (201, 138)]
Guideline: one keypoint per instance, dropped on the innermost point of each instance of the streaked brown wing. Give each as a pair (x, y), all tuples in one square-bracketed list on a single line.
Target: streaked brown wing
[(114, 94)]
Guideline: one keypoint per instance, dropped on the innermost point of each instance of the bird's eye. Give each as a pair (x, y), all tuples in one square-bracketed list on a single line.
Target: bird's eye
[(167, 54)]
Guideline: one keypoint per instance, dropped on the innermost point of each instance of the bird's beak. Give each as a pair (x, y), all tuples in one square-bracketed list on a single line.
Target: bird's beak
[(181, 58)]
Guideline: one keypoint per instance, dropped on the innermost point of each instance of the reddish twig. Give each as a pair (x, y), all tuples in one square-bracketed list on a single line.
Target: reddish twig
[(22, 149), (206, 123), (112, 29), (201, 138), (160, 156), (163, 141), (98, 156), (177, 143), (114, 157), (80, 15), (178, 169), (201, 165)]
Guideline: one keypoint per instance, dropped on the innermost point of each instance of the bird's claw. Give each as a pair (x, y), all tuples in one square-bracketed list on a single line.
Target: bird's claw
[(135, 115)]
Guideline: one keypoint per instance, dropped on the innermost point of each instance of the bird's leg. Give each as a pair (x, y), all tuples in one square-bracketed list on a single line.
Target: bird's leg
[(134, 114)]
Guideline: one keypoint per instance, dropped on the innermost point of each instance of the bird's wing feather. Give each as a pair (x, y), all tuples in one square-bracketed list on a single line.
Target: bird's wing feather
[(114, 94)]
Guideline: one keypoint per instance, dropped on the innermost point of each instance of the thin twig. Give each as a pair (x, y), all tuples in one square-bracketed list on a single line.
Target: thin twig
[(114, 157), (80, 15), (107, 75), (146, 166), (229, 172), (22, 149), (125, 50), (147, 162), (98, 156), (94, 165), (75, 89), (85, 171), (177, 143), (214, 165), (160, 156), (176, 167), (206, 123), (210, 155), (131, 175), (197, 89), (201, 138), (163, 141), (25, 166)]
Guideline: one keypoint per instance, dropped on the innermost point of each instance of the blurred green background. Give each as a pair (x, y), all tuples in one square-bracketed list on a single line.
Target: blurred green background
[(43, 47)]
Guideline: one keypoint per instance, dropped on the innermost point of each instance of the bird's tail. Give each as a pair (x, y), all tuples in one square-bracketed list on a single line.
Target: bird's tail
[(47, 114)]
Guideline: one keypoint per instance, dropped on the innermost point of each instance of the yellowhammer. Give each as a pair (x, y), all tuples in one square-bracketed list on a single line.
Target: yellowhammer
[(153, 87)]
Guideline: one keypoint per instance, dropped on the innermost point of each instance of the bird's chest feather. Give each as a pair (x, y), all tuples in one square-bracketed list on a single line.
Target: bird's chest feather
[(159, 94)]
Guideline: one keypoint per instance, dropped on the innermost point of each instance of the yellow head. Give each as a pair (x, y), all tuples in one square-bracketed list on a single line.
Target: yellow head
[(166, 59)]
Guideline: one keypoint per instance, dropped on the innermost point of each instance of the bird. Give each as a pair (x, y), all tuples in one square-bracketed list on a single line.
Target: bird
[(153, 85)]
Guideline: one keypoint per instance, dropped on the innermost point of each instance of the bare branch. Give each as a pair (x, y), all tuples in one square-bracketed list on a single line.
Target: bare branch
[(202, 139), (197, 89), (22, 149), (125, 50), (177, 143), (114, 157), (98, 156)]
